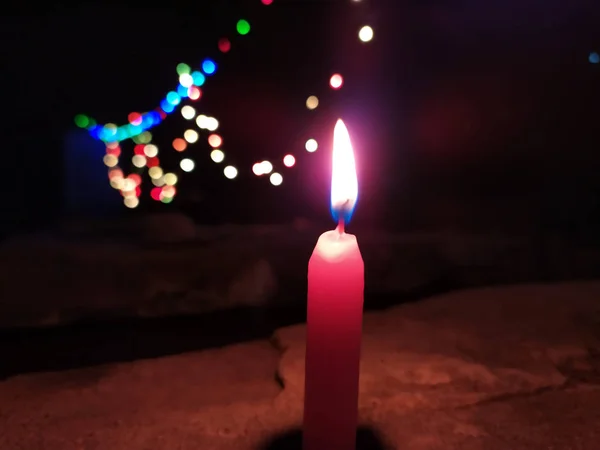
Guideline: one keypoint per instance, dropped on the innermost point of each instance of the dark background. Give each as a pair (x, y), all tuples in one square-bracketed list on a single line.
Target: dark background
[(464, 114)]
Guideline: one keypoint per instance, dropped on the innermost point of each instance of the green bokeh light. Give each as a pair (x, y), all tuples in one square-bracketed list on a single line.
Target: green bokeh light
[(243, 27), (183, 68), (82, 121)]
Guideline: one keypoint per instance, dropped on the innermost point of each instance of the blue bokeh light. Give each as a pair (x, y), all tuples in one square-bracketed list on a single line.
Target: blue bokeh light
[(594, 58), (198, 78), (208, 66), (173, 98)]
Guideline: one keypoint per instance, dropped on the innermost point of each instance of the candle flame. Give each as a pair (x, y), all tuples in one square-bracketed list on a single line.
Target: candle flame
[(344, 184)]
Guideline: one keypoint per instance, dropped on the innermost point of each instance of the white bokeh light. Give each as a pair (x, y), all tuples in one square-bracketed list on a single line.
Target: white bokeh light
[(366, 33), (217, 155), (266, 167), (311, 146), (230, 172), (191, 136), (289, 160), (276, 179), (187, 165), (188, 112)]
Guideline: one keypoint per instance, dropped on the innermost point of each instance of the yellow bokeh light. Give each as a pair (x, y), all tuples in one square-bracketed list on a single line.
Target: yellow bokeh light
[(158, 181), (365, 34), (276, 179), (128, 185), (150, 150), (170, 179), (110, 160), (217, 155), (191, 136), (230, 172), (138, 161), (188, 112), (117, 183), (131, 202), (312, 102), (311, 146), (155, 172), (187, 165)]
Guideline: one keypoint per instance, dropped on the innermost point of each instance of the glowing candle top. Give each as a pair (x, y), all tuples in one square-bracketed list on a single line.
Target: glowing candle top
[(344, 183)]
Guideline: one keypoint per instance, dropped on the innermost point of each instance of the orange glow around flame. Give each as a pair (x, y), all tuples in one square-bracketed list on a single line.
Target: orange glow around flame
[(344, 183)]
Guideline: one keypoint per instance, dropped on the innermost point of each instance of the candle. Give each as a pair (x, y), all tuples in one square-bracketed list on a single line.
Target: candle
[(334, 316)]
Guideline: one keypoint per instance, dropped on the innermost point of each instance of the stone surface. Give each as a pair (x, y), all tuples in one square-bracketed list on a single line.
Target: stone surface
[(490, 369), (165, 265)]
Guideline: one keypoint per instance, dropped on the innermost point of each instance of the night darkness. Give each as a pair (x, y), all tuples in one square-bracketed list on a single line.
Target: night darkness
[(462, 110)]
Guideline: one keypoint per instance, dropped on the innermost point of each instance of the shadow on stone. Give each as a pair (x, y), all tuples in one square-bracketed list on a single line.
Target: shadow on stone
[(366, 439)]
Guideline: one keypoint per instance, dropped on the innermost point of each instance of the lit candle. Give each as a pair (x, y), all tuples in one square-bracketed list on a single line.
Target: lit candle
[(334, 316)]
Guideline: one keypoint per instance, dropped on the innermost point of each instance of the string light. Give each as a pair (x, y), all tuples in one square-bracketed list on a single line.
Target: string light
[(365, 34), (146, 154)]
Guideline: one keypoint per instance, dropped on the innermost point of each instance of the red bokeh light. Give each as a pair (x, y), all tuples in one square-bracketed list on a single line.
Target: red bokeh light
[(179, 144), (224, 45), (135, 118), (152, 162), (155, 193), (194, 93), (139, 149), (266, 2)]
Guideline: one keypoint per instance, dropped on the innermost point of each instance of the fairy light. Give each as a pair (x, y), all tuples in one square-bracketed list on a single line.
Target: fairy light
[(145, 156)]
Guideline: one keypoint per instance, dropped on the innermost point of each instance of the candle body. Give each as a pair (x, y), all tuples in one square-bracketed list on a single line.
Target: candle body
[(333, 340)]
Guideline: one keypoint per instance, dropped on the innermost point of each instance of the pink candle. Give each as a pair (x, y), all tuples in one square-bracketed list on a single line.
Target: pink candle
[(334, 317)]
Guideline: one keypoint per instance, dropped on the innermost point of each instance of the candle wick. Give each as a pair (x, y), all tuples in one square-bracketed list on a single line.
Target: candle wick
[(340, 227)]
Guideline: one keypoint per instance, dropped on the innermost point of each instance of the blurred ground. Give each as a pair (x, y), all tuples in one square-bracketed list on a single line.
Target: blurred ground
[(494, 368), (165, 265)]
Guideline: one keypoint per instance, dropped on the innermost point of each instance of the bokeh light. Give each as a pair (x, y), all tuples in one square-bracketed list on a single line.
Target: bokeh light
[(224, 45), (214, 140), (311, 146), (266, 2), (191, 136), (186, 80), (365, 34), (135, 118), (230, 172), (257, 169), (243, 27), (289, 160), (110, 160), (187, 165), (312, 102), (198, 77), (138, 161), (194, 93), (170, 179), (276, 179), (82, 121), (179, 144), (208, 66), (188, 112), (336, 81), (217, 155), (183, 68), (155, 173), (131, 202), (266, 167), (150, 150), (594, 58)]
